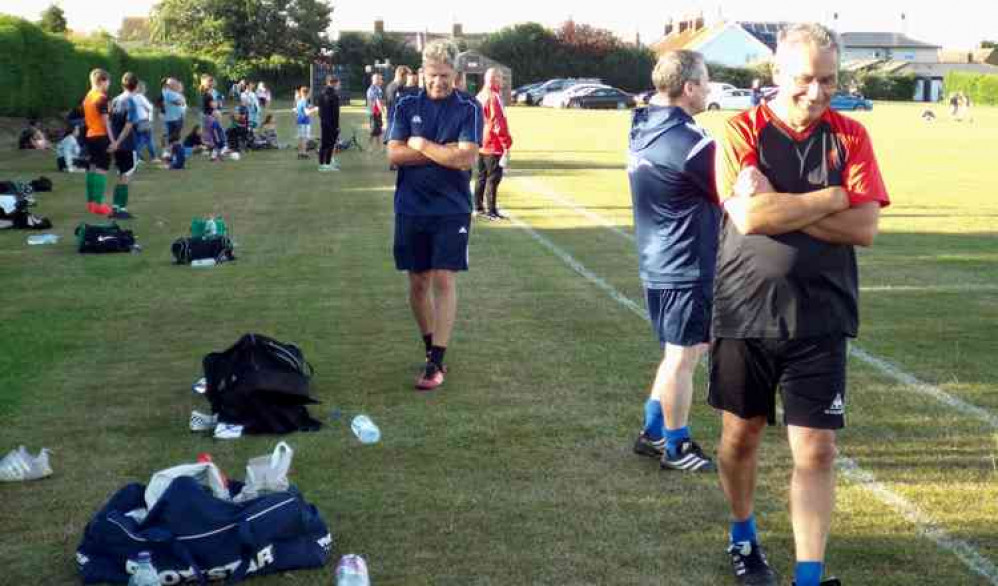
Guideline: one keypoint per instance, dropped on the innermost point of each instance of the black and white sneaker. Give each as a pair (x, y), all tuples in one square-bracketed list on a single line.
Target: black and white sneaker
[(689, 458), (750, 566), (645, 446)]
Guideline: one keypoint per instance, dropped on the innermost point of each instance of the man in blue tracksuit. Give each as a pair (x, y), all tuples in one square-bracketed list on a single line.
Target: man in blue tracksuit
[(676, 219)]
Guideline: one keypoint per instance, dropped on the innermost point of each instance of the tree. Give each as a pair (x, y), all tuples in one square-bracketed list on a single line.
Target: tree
[(53, 20), (238, 34), (989, 44), (529, 49), (135, 28)]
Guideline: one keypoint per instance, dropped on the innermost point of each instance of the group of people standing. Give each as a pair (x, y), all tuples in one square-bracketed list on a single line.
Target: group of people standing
[(748, 254)]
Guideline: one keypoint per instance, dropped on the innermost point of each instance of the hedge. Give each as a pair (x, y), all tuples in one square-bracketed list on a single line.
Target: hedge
[(982, 88), (45, 74)]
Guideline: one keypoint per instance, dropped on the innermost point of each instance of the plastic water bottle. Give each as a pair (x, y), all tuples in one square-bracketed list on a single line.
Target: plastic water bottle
[(144, 574), (43, 239), (352, 571), (365, 429), (203, 262)]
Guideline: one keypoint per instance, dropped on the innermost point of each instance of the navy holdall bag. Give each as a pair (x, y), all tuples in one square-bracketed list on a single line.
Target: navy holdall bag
[(195, 538)]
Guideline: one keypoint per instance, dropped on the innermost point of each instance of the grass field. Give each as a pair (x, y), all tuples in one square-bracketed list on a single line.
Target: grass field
[(519, 470)]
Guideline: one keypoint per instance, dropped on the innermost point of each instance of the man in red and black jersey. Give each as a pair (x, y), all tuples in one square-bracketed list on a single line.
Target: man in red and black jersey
[(800, 188)]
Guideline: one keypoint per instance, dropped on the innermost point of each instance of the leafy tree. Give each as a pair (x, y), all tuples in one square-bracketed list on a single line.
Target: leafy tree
[(532, 51), (53, 19), (238, 34)]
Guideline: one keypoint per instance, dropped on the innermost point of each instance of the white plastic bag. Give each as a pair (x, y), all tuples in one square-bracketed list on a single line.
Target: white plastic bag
[(267, 473), (207, 473)]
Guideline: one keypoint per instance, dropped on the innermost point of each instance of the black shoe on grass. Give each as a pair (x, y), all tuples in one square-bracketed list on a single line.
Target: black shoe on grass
[(689, 458), (749, 564), (645, 446)]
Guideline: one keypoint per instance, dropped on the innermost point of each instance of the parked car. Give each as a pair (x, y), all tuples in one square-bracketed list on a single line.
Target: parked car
[(731, 99), (560, 99), (847, 101), (602, 97), (516, 93), (534, 96)]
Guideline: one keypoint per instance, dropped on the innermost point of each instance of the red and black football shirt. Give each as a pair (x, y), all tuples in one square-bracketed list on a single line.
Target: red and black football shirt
[(791, 285)]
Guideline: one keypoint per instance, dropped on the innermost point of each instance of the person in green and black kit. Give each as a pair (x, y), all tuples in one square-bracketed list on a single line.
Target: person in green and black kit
[(124, 118)]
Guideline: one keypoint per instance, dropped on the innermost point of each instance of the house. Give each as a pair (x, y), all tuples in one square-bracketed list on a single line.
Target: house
[(892, 46), (419, 39), (724, 42), (898, 54)]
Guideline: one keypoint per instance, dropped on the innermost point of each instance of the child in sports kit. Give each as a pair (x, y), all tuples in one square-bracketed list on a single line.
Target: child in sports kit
[(303, 115), (214, 136), (125, 117), (98, 141), (68, 152)]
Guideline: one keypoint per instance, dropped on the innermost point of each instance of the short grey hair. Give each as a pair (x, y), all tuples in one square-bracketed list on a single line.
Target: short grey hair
[(809, 33), (441, 52), (674, 69)]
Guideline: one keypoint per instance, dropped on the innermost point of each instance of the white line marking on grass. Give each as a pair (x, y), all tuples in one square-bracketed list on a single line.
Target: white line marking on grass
[(924, 524), (548, 193), (928, 288), (924, 387), (577, 267), (879, 363)]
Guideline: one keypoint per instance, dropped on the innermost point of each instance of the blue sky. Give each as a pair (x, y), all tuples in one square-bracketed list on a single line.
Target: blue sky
[(936, 22)]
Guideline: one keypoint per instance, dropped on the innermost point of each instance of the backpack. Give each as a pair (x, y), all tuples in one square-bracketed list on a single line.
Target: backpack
[(261, 384), (101, 238), (195, 537), (186, 250)]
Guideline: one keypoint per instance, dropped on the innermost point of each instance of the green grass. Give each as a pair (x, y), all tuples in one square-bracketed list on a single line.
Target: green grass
[(519, 469)]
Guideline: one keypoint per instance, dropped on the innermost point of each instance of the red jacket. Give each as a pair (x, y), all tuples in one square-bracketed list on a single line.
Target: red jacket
[(496, 139)]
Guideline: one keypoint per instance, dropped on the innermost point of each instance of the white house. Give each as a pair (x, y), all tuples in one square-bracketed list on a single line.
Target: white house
[(892, 46)]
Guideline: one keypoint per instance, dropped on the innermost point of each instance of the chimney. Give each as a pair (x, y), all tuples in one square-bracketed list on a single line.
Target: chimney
[(683, 25), (457, 30), (379, 27), (668, 27), (698, 23)]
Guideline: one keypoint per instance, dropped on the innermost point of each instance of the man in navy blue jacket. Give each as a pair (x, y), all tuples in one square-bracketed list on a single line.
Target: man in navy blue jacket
[(676, 219)]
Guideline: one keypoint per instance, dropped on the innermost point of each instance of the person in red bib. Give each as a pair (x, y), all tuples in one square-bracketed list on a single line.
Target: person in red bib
[(800, 187)]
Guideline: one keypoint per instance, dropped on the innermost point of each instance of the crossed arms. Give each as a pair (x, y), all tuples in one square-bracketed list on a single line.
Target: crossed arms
[(756, 208), (420, 151)]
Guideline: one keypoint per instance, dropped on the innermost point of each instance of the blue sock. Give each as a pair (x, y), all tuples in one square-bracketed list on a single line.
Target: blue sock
[(675, 437), (744, 530), (654, 419), (808, 573)]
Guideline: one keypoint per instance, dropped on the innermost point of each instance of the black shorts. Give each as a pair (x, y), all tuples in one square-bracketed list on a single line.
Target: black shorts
[(680, 317), (124, 160), (173, 128), (423, 243), (810, 372), (376, 124), (97, 152), (328, 136)]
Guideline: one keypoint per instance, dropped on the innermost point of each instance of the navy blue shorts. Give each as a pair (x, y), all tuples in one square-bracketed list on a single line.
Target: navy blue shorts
[(423, 243), (680, 317), (173, 128)]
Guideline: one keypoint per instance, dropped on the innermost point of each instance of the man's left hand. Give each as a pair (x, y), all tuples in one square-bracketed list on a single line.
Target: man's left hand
[(416, 143)]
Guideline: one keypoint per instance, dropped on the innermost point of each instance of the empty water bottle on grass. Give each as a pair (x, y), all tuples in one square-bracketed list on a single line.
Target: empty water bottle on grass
[(352, 571), (365, 429), (43, 239), (143, 572)]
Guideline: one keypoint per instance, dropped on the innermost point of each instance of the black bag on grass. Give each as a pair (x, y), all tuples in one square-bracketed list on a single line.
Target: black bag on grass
[(186, 250), (261, 384), (101, 238)]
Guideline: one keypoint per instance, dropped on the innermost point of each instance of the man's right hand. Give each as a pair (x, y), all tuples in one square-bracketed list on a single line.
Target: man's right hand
[(751, 181)]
